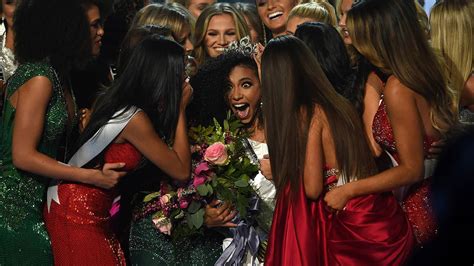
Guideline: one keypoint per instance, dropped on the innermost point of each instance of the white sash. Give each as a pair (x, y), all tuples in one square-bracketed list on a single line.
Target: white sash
[(93, 147)]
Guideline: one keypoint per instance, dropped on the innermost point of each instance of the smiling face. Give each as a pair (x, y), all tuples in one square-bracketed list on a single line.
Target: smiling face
[(220, 32), (96, 28), (196, 7), (244, 95), (345, 7), (274, 14)]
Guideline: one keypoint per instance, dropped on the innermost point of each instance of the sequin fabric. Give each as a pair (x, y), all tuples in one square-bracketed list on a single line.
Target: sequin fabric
[(79, 226), (150, 247), (417, 204), (8, 63), (23, 237)]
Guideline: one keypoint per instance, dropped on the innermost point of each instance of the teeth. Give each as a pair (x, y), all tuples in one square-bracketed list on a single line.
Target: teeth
[(220, 49), (239, 105), (274, 15)]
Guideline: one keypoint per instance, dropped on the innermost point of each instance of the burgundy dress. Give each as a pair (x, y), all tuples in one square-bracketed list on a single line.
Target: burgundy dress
[(417, 202), (79, 226), (372, 230)]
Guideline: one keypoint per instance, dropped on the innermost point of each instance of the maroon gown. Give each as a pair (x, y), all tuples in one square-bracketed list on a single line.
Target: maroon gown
[(79, 226), (417, 202), (372, 230)]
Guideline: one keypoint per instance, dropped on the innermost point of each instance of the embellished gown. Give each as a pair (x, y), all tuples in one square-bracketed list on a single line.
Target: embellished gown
[(416, 200), (23, 236), (372, 230), (79, 225)]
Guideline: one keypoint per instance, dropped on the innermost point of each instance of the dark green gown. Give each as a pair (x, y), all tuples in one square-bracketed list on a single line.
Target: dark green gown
[(23, 237)]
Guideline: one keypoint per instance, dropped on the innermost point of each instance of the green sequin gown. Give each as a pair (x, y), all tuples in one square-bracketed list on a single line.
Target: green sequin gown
[(150, 247), (23, 237)]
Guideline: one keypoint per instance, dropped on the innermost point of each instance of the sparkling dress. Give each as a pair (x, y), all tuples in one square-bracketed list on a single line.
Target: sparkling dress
[(372, 230), (417, 201), (79, 226), (23, 236)]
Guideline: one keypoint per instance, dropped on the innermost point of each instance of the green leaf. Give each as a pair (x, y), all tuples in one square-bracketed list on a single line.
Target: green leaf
[(194, 206), (209, 188), (202, 190), (151, 196), (226, 125), (197, 219), (241, 183)]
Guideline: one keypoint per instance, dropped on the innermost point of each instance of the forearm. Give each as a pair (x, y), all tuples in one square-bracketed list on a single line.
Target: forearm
[(43, 165), (181, 144), (385, 181)]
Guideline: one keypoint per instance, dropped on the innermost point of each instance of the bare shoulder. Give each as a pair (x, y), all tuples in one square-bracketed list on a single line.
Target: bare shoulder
[(397, 92)]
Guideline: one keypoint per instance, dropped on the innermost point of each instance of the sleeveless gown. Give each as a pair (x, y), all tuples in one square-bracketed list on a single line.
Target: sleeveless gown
[(372, 230), (417, 201), (79, 226), (23, 236)]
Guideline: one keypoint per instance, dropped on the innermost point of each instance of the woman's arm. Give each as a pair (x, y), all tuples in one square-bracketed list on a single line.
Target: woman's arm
[(31, 101), (408, 131), (175, 162), (313, 165), (372, 97)]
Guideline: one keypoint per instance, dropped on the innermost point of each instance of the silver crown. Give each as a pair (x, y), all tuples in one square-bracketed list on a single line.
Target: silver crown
[(244, 46)]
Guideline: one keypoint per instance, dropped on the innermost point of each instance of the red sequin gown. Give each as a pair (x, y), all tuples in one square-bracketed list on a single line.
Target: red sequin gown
[(79, 226), (372, 230), (417, 202)]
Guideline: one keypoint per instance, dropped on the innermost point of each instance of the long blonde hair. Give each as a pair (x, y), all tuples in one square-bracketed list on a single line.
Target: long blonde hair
[(172, 15), (202, 24), (319, 12), (452, 35), (387, 33)]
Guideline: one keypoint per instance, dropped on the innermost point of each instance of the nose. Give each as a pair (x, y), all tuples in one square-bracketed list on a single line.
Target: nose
[(188, 46), (342, 21), (222, 40), (100, 30), (270, 4), (235, 94)]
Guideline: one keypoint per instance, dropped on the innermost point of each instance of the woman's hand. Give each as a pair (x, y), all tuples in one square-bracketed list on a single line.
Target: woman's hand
[(84, 118), (258, 59), (109, 176), (337, 198), (436, 148), (186, 95), (219, 216), (265, 167)]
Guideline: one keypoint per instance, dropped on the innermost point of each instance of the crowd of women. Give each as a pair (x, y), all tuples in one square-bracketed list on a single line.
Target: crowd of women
[(347, 106)]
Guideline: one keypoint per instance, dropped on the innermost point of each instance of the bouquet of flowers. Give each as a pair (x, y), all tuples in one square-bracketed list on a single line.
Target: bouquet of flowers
[(221, 170)]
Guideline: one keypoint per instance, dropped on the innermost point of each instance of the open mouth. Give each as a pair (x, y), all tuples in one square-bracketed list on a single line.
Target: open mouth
[(241, 110), (275, 15)]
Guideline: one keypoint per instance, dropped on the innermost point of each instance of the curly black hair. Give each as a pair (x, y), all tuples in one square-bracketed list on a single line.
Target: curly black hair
[(54, 30), (211, 86)]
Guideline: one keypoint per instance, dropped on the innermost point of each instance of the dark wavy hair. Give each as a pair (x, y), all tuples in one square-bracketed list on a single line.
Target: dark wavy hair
[(54, 30), (327, 45), (211, 87), (152, 81)]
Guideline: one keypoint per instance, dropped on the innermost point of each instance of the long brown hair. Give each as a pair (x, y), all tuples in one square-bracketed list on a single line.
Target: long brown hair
[(387, 33), (289, 100)]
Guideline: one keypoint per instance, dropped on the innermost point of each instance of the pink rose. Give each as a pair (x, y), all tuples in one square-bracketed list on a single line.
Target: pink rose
[(216, 154), (201, 168), (165, 199), (163, 224), (183, 204), (199, 180)]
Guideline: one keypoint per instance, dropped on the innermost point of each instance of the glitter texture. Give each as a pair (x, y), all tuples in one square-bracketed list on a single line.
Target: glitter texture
[(417, 204), (23, 235)]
